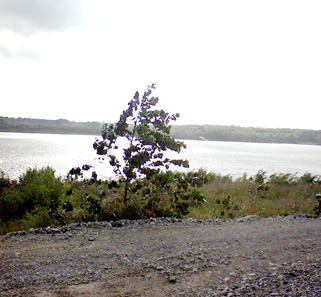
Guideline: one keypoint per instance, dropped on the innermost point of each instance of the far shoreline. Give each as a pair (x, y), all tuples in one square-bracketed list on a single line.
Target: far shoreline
[(201, 138), (183, 132)]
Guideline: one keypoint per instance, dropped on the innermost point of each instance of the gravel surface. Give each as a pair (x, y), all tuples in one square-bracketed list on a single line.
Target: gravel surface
[(279, 256)]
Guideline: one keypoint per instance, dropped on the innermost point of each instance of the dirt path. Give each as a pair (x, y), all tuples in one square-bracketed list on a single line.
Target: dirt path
[(245, 257)]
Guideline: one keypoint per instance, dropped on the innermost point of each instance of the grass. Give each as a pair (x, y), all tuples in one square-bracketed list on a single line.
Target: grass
[(40, 199), (245, 196)]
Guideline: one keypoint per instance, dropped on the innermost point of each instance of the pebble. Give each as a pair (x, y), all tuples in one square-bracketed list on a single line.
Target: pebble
[(172, 279), (275, 280)]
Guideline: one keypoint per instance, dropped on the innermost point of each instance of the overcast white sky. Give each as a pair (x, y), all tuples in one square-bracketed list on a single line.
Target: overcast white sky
[(248, 63)]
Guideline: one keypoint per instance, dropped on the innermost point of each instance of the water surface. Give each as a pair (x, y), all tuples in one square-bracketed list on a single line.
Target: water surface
[(20, 151)]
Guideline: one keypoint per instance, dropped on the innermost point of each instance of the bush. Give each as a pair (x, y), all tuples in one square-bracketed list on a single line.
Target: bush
[(39, 199), (5, 182), (308, 178), (283, 179), (35, 189), (40, 188)]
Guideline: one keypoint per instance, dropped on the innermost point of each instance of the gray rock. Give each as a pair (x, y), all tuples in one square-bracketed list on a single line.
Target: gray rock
[(249, 218), (172, 279)]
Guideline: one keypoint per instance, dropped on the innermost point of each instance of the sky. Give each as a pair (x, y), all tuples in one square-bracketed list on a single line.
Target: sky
[(245, 63)]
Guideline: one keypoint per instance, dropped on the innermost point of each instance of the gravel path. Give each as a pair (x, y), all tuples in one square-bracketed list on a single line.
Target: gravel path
[(278, 256)]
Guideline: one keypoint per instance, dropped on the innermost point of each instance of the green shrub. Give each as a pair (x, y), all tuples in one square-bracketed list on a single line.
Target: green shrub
[(35, 188), (40, 188), (260, 177), (39, 199), (5, 182), (308, 178), (283, 179)]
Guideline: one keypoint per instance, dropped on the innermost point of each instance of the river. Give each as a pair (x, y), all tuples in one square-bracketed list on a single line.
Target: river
[(20, 151)]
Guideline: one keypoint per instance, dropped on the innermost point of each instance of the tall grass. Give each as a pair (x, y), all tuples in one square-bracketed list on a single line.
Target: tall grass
[(278, 194), (39, 198)]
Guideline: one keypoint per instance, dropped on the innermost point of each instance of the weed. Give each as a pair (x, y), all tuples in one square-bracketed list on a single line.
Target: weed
[(39, 199)]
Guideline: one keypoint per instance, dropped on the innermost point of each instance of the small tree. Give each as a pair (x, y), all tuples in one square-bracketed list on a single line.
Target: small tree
[(147, 131)]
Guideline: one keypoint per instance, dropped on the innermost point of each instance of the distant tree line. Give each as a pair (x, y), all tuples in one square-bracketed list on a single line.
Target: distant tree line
[(247, 134), (196, 132), (60, 126)]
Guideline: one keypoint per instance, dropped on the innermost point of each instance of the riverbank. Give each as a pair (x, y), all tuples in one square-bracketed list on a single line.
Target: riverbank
[(276, 256), (40, 199), (191, 132)]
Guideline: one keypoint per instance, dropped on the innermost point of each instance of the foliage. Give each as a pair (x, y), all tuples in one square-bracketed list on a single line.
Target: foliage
[(147, 132), (260, 177), (210, 132), (39, 199), (317, 209), (282, 179), (31, 201), (35, 188), (293, 179), (161, 194), (247, 134), (60, 126), (5, 182), (263, 195), (171, 193)]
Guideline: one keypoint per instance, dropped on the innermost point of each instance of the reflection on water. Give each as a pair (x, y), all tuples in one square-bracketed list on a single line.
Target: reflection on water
[(236, 158), (19, 151)]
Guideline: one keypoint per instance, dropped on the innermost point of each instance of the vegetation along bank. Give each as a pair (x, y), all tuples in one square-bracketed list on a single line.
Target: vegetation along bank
[(144, 186), (193, 132)]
